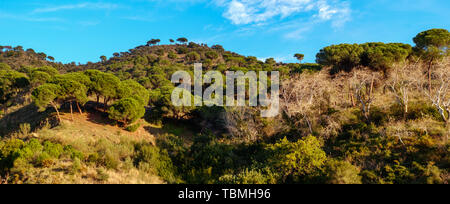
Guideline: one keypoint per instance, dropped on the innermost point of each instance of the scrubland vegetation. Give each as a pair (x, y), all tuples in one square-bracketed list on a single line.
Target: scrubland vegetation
[(372, 113)]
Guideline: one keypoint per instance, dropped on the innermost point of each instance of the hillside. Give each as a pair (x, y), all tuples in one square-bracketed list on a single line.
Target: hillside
[(17, 57), (84, 136), (372, 113)]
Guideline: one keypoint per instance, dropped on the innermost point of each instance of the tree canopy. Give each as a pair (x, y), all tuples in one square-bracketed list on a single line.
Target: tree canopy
[(127, 111), (132, 89), (376, 56), (182, 40), (432, 44), (299, 57), (153, 42)]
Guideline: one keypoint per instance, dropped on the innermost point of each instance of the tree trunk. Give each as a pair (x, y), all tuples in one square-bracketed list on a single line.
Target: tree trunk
[(79, 109), (352, 98), (371, 87), (405, 114), (57, 111), (71, 110), (105, 104), (429, 76), (309, 124)]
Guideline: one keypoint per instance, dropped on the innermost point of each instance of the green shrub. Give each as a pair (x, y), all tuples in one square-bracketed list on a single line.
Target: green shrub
[(109, 159), (25, 129), (76, 166), (370, 177), (342, 172), (172, 55), (53, 150), (93, 158), (192, 57), (182, 50), (297, 158), (45, 160), (102, 175), (133, 128), (416, 111), (249, 177), (127, 110), (73, 153), (307, 67), (154, 159)]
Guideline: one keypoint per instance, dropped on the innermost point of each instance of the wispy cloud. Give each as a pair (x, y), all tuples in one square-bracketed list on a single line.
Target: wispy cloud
[(244, 12), (29, 18), (87, 5)]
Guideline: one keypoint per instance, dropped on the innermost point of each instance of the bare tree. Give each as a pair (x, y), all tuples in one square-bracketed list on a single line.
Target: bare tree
[(241, 122), (362, 84), (301, 94), (439, 94), (400, 82)]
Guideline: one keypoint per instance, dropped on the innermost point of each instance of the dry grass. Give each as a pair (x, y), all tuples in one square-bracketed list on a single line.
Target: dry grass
[(60, 174), (91, 128), (87, 133)]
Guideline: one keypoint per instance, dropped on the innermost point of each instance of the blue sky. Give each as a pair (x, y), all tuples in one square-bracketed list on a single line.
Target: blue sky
[(81, 31)]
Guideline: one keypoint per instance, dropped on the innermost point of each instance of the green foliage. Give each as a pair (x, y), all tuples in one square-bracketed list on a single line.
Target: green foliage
[(182, 40), (25, 129), (192, 56), (416, 111), (47, 69), (172, 55), (271, 61), (432, 44), (212, 55), (45, 95), (182, 50), (133, 128), (381, 57), (17, 156), (342, 172), (127, 110), (153, 42), (151, 158), (297, 158), (376, 56), (71, 88), (307, 67), (4, 66), (132, 89), (299, 57), (103, 84), (38, 78), (11, 84), (341, 57), (250, 177)]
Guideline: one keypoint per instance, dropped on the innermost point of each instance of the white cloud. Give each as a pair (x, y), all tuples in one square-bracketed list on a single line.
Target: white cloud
[(102, 6), (243, 12), (28, 18)]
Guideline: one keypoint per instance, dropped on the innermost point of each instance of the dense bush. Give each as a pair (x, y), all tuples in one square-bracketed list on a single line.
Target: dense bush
[(342, 172), (377, 56), (297, 158), (133, 128), (152, 158), (127, 110)]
